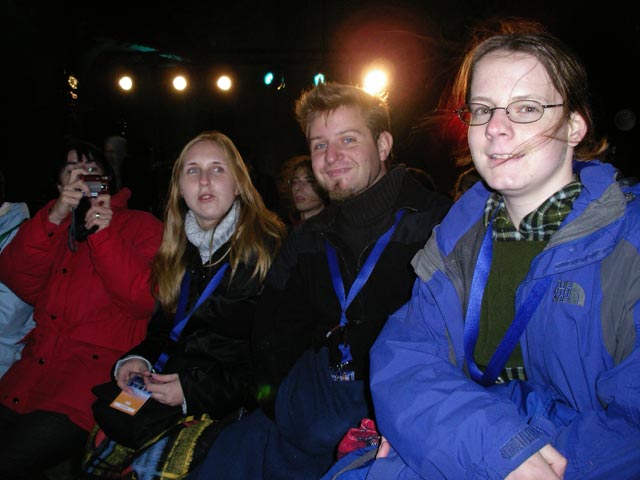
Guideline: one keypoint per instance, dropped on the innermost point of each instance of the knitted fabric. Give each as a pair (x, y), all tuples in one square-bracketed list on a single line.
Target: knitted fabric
[(208, 241)]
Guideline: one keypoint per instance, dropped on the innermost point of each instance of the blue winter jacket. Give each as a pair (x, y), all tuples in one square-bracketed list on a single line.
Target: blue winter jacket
[(16, 316), (581, 350)]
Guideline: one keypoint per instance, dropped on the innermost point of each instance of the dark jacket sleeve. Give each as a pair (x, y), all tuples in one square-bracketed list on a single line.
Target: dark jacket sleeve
[(285, 315)]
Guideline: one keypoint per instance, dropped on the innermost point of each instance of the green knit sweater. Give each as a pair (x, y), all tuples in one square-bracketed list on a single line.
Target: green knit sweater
[(509, 266)]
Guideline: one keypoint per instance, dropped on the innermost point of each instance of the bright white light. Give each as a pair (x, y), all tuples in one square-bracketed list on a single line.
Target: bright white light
[(179, 83), (126, 83), (375, 81), (224, 83)]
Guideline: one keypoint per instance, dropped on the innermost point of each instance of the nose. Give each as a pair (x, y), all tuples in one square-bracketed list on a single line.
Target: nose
[(333, 152), (499, 123), (204, 177)]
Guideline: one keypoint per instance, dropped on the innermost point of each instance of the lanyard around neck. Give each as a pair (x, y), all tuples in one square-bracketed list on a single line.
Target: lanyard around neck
[(472, 319), (181, 319), (361, 279)]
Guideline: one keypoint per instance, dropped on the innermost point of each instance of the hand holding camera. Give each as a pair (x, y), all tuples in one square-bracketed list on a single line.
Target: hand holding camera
[(75, 185), (99, 213), (86, 195)]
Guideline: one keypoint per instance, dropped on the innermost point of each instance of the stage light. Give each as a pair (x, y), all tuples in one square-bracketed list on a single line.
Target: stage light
[(73, 87), (318, 78), (224, 82), (125, 83), (268, 78), (180, 83), (375, 81), (72, 81)]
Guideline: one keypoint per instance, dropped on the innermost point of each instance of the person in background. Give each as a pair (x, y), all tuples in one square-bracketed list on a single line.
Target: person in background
[(300, 190), (465, 181), (88, 277), (311, 339), (217, 229), (16, 317), (116, 152), (518, 355)]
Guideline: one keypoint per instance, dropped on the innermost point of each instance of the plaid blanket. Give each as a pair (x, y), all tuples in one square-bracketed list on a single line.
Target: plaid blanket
[(169, 456)]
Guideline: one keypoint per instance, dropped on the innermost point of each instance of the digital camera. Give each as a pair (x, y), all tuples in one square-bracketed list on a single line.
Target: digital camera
[(97, 184)]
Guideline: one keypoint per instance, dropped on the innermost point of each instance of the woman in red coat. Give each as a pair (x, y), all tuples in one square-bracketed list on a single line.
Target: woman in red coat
[(88, 277)]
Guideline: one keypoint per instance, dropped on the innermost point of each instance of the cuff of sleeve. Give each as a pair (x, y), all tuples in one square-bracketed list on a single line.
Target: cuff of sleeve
[(518, 448), (124, 359)]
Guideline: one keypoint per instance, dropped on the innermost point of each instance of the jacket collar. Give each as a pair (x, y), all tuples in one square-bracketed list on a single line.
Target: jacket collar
[(120, 199)]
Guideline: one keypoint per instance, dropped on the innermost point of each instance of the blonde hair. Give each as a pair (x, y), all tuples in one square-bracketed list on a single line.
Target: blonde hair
[(328, 97), (258, 233)]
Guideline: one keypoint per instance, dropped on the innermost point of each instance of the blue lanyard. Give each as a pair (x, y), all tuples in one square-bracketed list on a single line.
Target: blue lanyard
[(361, 278), (181, 319), (472, 319)]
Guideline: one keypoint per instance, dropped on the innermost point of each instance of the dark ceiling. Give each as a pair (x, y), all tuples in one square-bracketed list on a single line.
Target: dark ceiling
[(46, 41)]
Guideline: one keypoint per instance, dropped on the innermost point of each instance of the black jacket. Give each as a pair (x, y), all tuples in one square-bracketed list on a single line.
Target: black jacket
[(299, 305), (212, 356)]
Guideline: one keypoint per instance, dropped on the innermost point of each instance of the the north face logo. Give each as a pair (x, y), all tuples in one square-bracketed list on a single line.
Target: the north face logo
[(567, 291)]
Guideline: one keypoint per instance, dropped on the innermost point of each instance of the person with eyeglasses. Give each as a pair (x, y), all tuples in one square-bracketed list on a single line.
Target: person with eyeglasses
[(304, 196), (518, 354)]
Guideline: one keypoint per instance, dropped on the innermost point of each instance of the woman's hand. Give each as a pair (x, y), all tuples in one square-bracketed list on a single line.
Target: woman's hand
[(546, 464), (165, 388), (383, 448), (100, 213), (70, 196)]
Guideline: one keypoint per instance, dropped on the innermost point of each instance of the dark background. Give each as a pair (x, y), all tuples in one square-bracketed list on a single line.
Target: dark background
[(95, 41)]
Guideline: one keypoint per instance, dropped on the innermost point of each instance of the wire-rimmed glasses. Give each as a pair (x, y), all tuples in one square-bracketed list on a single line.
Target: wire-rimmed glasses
[(520, 111)]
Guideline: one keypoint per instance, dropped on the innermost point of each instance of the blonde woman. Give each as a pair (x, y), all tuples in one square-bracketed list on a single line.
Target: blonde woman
[(218, 229)]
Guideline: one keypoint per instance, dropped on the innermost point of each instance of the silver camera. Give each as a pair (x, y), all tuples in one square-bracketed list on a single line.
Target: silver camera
[(97, 184)]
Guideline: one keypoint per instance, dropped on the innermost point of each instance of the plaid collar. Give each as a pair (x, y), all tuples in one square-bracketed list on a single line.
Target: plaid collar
[(538, 225)]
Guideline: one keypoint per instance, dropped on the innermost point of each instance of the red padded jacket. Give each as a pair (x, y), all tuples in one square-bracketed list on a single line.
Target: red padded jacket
[(90, 306)]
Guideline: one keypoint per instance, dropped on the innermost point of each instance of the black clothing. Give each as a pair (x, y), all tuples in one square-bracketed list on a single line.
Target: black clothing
[(299, 305), (212, 355), (39, 440)]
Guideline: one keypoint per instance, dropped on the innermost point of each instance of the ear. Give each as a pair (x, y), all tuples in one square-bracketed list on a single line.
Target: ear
[(385, 143), (577, 129)]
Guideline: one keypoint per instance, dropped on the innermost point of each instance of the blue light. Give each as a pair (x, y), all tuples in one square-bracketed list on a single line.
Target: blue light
[(268, 78), (318, 78)]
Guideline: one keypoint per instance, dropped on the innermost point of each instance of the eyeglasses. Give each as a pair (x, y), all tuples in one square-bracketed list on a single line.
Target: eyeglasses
[(520, 111), (301, 181)]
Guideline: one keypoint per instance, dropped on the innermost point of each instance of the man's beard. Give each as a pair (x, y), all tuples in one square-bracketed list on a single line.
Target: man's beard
[(340, 194)]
